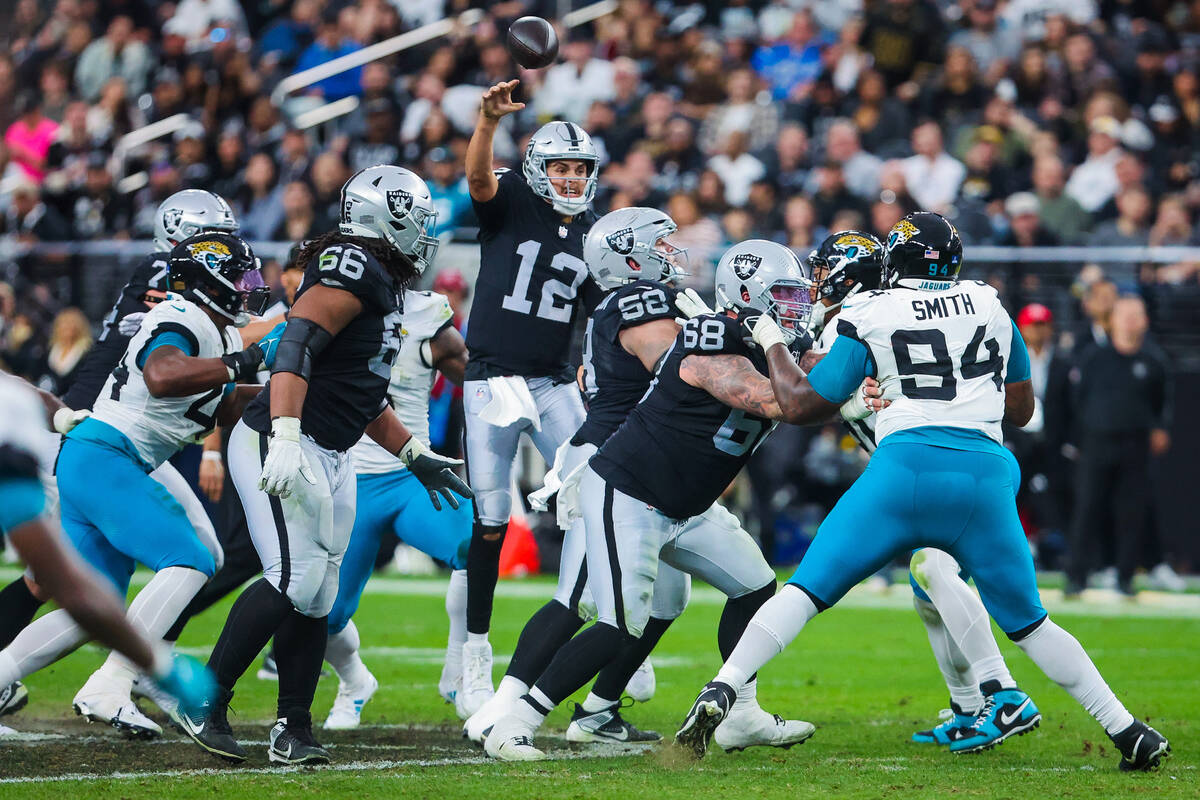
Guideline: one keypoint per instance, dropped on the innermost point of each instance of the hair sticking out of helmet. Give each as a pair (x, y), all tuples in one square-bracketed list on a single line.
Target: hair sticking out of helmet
[(392, 203)]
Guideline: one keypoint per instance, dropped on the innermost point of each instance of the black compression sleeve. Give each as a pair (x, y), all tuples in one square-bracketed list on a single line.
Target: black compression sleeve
[(302, 341)]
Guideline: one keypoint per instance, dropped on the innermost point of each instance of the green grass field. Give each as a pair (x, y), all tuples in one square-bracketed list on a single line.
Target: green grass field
[(862, 673)]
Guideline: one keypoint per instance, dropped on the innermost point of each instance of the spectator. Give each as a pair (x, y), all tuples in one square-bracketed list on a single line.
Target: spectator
[(231, 161), (299, 219), (29, 138), (829, 193), (791, 65), (860, 168), (1173, 225), (1025, 224), (702, 238), (1131, 174), (331, 42), (849, 58), (992, 46), (1094, 181), (680, 160), (379, 143), (741, 112), (283, 40), (55, 86), (956, 94), (764, 208), (30, 220), (1121, 391), (448, 188), (1098, 300), (329, 174), (197, 22), (572, 86), (97, 211), (986, 180), (1058, 211), (788, 161), (259, 198), (932, 175), (116, 54), (191, 161), (710, 194), (736, 168), (264, 129), (1131, 228), (294, 160), (1084, 74), (801, 230), (882, 120), (905, 38), (70, 339), (67, 158)]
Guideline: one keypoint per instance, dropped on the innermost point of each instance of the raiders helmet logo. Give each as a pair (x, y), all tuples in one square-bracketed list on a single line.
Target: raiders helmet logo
[(621, 242), (745, 265), (399, 202), (171, 219)]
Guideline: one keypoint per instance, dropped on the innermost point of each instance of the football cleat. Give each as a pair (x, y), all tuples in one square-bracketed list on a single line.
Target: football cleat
[(100, 701), (511, 740), (143, 686), (479, 725), (294, 743), (1005, 713), (7, 731), (643, 683), (956, 724), (450, 682), (1142, 748), (209, 728), (755, 727), (268, 671), (605, 726), (476, 680), (711, 707), (347, 707), (13, 698)]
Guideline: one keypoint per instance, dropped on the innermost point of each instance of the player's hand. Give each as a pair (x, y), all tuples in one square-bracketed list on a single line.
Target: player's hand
[(129, 324), (66, 418), (285, 463), (189, 682), (691, 304), (244, 365), (867, 400), (1160, 441), (434, 472), (212, 475), (269, 344), (497, 101)]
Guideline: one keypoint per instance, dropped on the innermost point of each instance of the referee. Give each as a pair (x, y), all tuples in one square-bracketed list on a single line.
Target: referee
[(1121, 396)]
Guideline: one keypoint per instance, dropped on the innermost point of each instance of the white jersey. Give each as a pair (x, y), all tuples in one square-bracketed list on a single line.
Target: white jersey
[(425, 315), (22, 428), (863, 430), (942, 355), (159, 426)]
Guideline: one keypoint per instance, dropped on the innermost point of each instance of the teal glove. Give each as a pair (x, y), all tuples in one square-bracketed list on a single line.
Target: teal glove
[(189, 682), (270, 343)]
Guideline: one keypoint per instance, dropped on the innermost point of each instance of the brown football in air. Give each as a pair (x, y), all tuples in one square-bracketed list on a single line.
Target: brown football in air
[(533, 42)]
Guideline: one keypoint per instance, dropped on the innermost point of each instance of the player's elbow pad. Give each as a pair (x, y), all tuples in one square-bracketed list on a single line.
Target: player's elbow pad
[(302, 341)]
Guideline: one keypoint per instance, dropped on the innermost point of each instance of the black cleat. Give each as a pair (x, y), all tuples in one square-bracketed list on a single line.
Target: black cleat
[(294, 743), (1142, 748), (209, 728), (711, 707), (605, 726), (13, 698)]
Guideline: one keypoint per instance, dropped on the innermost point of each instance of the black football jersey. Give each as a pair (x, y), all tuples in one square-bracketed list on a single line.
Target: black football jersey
[(348, 386), (680, 447), (147, 285), (615, 380), (532, 279)]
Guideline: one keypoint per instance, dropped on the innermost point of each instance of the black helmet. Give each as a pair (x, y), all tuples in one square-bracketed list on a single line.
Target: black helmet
[(924, 251), (845, 263), (219, 270)]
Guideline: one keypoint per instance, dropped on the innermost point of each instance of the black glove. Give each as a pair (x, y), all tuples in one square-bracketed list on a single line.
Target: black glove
[(243, 366), (434, 473)]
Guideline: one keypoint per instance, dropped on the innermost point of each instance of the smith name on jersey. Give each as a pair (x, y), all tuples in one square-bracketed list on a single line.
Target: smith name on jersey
[(425, 316), (680, 447), (943, 357), (158, 426), (614, 380), (348, 385), (531, 278)]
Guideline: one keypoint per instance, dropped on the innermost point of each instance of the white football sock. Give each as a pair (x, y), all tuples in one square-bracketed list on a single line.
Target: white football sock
[(42, 642), (956, 670), (510, 689), (529, 713), (747, 698), (456, 610), (773, 628), (477, 639), (152, 613), (341, 651), (963, 615), (594, 703), (1062, 658)]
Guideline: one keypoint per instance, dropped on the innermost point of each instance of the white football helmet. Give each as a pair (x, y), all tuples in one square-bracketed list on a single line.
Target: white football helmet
[(631, 244), (560, 141), (769, 278), (188, 212), (391, 203)]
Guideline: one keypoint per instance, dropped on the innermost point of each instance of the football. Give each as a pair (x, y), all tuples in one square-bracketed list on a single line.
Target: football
[(533, 42)]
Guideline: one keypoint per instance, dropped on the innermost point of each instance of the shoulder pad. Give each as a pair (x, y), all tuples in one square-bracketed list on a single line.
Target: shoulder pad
[(425, 313), (712, 334)]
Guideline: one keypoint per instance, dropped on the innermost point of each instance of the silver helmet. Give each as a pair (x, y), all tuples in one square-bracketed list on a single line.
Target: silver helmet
[(188, 212), (391, 203), (631, 244), (769, 278), (560, 141)]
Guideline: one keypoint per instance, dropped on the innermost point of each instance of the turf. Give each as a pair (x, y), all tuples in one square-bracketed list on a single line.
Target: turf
[(863, 675)]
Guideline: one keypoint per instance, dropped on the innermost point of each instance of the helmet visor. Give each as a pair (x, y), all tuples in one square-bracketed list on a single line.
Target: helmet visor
[(255, 293), (791, 305)]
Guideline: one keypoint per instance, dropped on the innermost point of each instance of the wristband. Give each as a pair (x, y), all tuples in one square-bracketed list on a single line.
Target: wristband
[(211, 455)]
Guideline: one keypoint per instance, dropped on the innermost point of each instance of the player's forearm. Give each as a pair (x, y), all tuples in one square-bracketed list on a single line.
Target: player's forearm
[(448, 355), (172, 374), (388, 431), (734, 381), (481, 180), (288, 391), (799, 403), (230, 411), (259, 328), (1018, 403)]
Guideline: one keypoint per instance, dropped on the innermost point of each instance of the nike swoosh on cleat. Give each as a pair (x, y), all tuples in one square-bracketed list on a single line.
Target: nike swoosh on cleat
[(1006, 719)]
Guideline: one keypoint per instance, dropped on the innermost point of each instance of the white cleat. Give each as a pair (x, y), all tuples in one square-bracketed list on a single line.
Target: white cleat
[(348, 706), (643, 683), (143, 686), (99, 702), (479, 725), (7, 731), (450, 684), (476, 680), (757, 728), (511, 740)]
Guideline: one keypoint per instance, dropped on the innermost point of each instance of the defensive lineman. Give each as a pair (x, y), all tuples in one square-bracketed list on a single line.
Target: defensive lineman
[(940, 477), (649, 496), (532, 280)]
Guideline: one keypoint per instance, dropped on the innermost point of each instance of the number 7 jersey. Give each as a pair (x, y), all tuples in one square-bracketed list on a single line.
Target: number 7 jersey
[(943, 357)]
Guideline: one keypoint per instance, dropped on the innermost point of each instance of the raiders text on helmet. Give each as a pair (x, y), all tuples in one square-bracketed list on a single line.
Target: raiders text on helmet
[(560, 141), (391, 203), (189, 212), (220, 271), (923, 251), (766, 277), (631, 244)]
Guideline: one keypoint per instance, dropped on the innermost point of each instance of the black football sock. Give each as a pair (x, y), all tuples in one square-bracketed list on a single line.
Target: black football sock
[(737, 615), (613, 679), (549, 629), (578, 661), (299, 651), (253, 620), (483, 568), (18, 607)]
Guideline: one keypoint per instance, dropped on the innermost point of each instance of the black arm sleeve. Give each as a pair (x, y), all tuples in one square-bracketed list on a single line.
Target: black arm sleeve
[(302, 341)]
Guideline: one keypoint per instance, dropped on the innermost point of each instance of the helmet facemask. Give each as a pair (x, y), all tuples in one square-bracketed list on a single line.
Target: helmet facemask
[(790, 304), (543, 184), (672, 259)]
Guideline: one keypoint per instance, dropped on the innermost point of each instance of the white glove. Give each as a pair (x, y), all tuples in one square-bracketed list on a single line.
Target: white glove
[(65, 419), (766, 333), (285, 460), (856, 407), (129, 324), (691, 304)]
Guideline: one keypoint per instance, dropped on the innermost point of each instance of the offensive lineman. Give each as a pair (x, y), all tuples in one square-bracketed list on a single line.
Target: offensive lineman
[(532, 280), (649, 496), (288, 454), (939, 477)]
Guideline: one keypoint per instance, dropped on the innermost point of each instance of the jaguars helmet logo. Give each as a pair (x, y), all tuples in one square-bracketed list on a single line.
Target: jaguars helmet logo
[(399, 202), (901, 232), (212, 254), (621, 242), (745, 264), (171, 219)]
